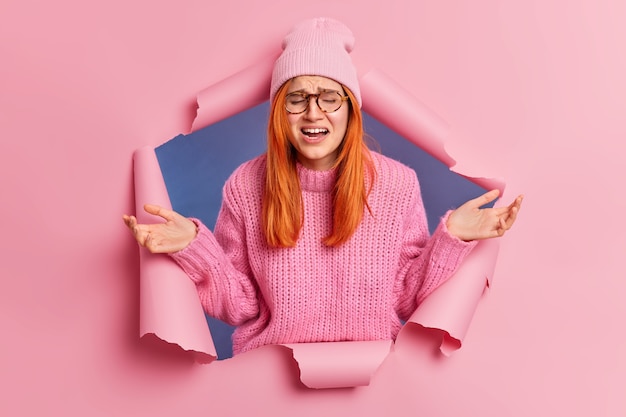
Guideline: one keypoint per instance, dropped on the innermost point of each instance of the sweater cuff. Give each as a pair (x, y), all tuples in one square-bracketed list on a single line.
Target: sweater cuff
[(451, 249), (195, 258)]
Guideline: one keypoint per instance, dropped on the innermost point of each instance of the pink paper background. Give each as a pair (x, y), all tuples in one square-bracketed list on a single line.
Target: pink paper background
[(534, 92)]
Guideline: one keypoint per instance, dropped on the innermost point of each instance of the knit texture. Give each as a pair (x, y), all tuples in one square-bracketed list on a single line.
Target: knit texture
[(319, 46), (313, 293)]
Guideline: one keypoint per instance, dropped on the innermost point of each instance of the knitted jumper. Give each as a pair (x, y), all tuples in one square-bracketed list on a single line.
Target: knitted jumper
[(360, 290)]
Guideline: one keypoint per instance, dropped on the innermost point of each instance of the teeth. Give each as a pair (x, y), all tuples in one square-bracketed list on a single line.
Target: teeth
[(315, 130)]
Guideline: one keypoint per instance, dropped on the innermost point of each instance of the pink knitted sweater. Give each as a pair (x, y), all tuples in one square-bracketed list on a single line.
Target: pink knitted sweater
[(311, 293)]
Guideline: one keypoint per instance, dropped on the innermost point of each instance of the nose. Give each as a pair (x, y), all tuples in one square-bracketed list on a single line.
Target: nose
[(313, 111)]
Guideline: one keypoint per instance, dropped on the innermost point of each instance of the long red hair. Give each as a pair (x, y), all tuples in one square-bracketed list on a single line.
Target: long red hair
[(282, 197)]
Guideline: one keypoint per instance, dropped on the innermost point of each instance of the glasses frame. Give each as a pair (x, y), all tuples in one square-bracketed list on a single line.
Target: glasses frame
[(307, 97)]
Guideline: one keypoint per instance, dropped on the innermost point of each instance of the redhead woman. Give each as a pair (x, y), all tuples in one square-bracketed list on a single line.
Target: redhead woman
[(320, 238)]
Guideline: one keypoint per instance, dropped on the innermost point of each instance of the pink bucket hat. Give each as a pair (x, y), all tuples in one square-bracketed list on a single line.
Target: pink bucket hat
[(319, 46)]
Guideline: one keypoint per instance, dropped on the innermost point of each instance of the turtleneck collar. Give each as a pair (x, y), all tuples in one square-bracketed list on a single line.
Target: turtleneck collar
[(316, 181)]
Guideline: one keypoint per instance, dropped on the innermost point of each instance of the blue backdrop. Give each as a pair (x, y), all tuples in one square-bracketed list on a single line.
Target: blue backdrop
[(195, 167)]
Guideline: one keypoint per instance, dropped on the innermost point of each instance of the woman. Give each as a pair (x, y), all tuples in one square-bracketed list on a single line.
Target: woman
[(319, 239)]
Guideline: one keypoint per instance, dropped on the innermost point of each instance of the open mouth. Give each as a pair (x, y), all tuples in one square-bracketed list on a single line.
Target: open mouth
[(314, 134)]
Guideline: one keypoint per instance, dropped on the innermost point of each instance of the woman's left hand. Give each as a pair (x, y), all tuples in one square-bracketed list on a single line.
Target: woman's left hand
[(471, 222)]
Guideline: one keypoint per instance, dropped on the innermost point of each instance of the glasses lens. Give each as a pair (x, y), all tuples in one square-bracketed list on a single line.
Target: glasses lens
[(329, 101), (296, 103)]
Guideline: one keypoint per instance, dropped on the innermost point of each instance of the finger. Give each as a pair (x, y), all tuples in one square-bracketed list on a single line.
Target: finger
[(131, 221), (505, 222), (486, 198), (504, 226), (160, 211), (154, 244), (127, 220), (141, 236), (517, 202), (149, 243), (500, 211), (496, 232), (508, 210), (142, 233), (512, 216)]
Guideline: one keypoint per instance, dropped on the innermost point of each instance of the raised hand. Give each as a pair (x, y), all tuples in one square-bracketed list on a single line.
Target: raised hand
[(471, 222), (173, 235)]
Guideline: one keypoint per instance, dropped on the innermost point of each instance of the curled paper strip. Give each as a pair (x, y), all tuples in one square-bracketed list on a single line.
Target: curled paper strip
[(392, 105), (169, 306), (242, 90), (339, 364), (384, 99), (451, 306)]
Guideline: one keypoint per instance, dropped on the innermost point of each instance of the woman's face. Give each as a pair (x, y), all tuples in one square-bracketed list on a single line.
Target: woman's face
[(316, 135)]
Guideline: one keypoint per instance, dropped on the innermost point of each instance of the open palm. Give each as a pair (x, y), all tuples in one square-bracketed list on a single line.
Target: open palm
[(171, 236), (471, 222)]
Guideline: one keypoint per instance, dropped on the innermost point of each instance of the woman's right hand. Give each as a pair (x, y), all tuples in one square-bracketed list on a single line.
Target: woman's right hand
[(173, 235)]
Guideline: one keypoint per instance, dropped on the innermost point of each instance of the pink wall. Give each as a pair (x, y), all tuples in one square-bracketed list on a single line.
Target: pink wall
[(535, 92)]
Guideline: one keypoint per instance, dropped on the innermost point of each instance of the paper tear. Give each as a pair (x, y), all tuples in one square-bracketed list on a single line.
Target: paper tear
[(169, 304), (392, 105), (339, 364), (156, 343), (243, 90), (170, 307), (450, 307)]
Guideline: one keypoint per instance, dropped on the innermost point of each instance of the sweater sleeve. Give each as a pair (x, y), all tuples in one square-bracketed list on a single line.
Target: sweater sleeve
[(218, 265), (426, 261)]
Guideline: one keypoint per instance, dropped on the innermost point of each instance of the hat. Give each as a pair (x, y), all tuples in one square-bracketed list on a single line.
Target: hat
[(319, 46)]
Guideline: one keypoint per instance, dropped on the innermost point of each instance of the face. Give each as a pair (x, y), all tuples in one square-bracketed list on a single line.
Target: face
[(316, 135)]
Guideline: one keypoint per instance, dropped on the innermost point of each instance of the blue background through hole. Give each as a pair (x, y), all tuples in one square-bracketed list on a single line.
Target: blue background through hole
[(195, 167)]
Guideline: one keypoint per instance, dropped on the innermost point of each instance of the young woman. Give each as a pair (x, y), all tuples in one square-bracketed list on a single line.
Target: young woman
[(319, 239)]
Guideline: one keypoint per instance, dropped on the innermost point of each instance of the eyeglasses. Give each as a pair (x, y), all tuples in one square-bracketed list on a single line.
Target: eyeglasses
[(328, 101)]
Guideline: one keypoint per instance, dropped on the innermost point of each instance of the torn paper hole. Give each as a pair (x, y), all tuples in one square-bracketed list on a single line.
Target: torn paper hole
[(162, 281)]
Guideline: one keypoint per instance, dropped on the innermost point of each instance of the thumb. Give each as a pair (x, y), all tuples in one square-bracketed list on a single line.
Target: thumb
[(486, 198), (159, 211)]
